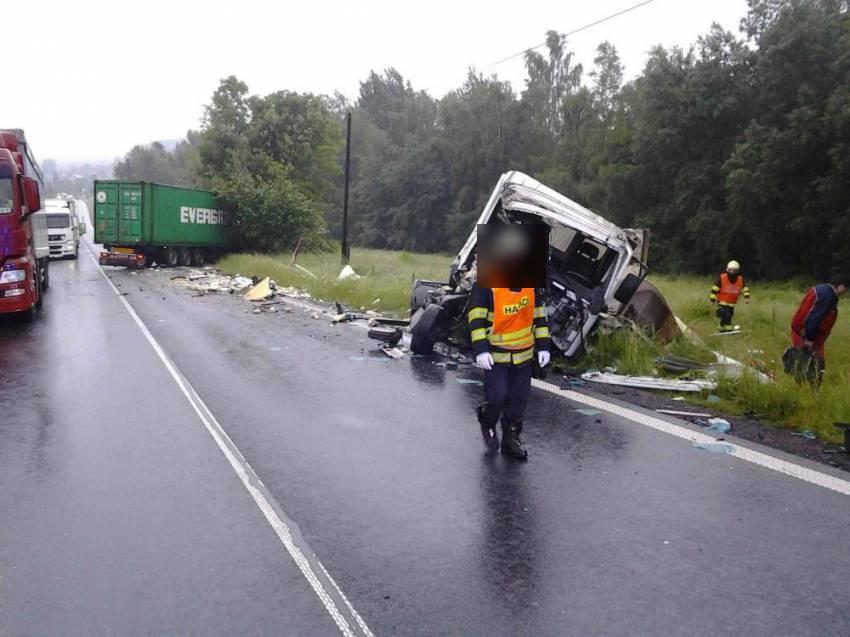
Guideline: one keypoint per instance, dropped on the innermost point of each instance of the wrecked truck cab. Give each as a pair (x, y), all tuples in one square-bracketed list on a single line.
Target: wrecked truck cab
[(592, 268)]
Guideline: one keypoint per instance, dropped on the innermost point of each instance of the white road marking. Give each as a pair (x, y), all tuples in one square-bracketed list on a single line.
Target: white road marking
[(744, 453), (252, 483)]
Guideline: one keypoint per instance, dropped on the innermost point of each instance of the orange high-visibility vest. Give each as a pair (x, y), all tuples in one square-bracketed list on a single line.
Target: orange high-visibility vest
[(729, 292), (513, 319)]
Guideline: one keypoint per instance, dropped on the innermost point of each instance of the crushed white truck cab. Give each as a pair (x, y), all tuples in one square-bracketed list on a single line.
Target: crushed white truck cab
[(593, 266)]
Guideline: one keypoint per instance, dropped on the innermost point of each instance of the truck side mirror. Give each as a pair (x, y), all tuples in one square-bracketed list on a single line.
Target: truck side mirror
[(32, 196), (82, 228)]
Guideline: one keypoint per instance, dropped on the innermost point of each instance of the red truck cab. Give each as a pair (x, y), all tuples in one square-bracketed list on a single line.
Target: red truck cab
[(23, 266)]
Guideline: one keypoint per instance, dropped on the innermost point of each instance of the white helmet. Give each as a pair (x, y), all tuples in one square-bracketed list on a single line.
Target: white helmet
[(733, 265)]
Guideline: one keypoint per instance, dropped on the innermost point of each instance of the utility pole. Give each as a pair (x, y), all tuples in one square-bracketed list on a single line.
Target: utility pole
[(346, 249)]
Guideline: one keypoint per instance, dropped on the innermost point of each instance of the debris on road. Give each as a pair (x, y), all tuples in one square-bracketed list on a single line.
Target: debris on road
[(713, 398), (368, 358), (720, 425), (261, 291), (687, 414), (389, 335), (392, 352), (714, 447), (469, 381), (239, 284), (650, 382), (315, 316), (587, 412)]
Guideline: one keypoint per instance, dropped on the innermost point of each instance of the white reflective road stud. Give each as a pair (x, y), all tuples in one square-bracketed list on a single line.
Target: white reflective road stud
[(253, 485), (759, 458)]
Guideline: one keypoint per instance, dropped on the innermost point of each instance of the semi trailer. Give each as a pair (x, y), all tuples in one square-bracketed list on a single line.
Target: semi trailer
[(141, 223), (24, 254)]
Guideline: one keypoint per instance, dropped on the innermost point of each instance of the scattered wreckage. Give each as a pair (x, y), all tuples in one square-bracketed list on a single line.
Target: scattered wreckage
[(595, 268)]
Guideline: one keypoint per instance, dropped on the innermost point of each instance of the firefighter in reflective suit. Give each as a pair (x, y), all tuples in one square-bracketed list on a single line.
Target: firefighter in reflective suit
[(508, 327)]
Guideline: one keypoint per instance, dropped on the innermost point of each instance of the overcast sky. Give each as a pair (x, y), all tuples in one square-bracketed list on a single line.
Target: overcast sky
[(92, 78)]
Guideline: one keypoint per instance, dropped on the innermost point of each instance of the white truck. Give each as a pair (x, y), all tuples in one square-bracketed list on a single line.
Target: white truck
[(64, 227), (594, 267)]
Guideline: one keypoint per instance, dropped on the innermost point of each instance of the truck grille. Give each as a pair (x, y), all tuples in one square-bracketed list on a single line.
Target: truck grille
[(54, 237)]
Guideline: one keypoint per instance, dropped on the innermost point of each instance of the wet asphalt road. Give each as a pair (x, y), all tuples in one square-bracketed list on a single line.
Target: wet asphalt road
[(119, 515)]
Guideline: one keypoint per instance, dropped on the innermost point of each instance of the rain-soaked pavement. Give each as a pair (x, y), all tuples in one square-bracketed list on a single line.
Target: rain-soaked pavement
[(120, 515)]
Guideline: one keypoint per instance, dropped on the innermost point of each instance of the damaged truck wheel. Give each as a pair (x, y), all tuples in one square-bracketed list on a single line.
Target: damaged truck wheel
[(428, 329)]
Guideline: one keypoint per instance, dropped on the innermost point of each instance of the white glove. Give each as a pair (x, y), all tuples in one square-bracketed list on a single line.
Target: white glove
[(484, 361), (543, 358)]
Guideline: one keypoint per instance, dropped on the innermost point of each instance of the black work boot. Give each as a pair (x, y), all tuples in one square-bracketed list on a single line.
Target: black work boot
[(511, 441), (488, 431)]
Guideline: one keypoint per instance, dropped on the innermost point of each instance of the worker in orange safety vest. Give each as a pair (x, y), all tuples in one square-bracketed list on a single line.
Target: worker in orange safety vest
[(726, 291), (508, 328)]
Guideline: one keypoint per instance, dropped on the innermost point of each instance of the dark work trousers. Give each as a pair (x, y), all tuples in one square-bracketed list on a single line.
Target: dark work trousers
[(506, 390), (725, 314)]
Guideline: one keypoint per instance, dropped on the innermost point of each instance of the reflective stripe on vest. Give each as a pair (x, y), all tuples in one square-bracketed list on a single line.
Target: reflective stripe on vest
[(513, 318), (729, 291)]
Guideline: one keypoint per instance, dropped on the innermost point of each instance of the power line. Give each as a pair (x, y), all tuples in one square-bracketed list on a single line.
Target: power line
[(574, 31)]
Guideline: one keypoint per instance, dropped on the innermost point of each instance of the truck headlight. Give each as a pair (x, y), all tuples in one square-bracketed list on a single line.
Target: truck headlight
[(13, 276)]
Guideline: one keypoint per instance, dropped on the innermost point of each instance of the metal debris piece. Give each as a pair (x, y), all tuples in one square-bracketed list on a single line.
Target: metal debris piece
[(587, 412), (469, 381), (649, 382), (261, 291), (392, 352), (688, 414), (389, 335), (714, 447), (808, 434)]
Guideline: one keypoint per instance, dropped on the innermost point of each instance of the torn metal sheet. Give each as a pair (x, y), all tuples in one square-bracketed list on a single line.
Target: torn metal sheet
[(261, 291), (649, 309), (649, 382)]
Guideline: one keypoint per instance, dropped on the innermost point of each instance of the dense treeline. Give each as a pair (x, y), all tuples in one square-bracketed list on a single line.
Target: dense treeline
[(736, 148)]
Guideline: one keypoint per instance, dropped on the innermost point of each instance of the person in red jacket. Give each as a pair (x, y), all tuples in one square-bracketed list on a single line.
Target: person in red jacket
[(813, 320)]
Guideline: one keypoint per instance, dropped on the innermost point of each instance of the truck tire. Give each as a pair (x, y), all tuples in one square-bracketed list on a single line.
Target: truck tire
[(184, 256), (428, 330), (45, 275), (167, 257), (199, 257)]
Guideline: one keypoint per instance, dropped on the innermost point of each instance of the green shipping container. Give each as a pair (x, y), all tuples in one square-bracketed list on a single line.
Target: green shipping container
[(146, 216)]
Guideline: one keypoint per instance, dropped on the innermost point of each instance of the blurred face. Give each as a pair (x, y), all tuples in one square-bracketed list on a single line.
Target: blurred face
[(512, 256), (732, 271), (840, 289)]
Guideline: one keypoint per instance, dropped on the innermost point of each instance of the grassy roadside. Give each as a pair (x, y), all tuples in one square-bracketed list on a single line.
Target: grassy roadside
[(385, 286), (765, 323)]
